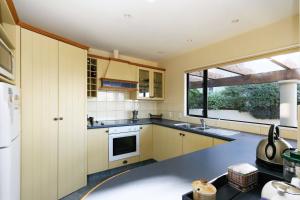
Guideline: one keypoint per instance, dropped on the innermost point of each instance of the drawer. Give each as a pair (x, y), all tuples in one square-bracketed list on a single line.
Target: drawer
[(123, 162)]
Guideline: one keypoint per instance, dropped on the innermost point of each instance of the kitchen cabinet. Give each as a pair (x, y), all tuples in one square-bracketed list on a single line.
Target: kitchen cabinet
[(97, 150), (92, 81), (72, 159), (167, 143), (150, 84), (146, 142), (193, 142), (219, 141), (39, 90), (53, 87), (123, 162)]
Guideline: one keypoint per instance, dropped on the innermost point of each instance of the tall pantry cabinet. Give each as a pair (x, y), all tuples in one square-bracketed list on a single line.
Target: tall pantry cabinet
[(53, 86)]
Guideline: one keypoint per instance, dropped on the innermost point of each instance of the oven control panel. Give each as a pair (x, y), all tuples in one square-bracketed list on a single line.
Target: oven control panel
[(123, 129)]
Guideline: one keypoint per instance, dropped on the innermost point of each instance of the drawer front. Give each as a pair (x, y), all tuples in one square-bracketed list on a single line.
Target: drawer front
[(123, 162)]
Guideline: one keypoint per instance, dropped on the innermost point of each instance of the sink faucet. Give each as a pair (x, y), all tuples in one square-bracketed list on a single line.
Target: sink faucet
[(202, 121)]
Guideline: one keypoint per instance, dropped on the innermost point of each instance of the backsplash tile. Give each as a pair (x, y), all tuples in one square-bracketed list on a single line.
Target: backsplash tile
[(114, 105)]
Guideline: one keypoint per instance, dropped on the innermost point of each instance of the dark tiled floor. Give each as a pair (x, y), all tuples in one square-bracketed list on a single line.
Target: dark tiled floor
[(94, 179)]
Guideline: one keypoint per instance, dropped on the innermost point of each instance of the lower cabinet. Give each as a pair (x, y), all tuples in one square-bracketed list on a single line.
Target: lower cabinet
[(146, 142), (169, 143), (97, 150), (193, 142), (166, 143), (157, 142), (219, 141)]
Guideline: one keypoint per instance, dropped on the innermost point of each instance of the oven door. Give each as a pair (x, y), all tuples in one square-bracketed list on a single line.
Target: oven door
[(124, 145)]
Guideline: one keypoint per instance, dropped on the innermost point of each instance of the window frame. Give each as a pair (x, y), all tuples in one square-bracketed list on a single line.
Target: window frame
[(205, 103)]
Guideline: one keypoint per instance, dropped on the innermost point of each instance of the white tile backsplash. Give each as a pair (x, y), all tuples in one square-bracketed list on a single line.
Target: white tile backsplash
[(114, 105)]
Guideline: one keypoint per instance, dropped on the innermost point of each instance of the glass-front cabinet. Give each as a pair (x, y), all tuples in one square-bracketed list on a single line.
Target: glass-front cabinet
[(151, 84)]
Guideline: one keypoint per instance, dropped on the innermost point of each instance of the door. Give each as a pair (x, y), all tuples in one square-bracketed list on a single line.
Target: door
[(167, 143), (146, 142), (72, 157), (193, 142), (39, 85), (144, 83), (97, 150), (158, 84)]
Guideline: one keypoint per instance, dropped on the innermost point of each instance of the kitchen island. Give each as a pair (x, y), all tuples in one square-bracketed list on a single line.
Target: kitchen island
[(170, 179)]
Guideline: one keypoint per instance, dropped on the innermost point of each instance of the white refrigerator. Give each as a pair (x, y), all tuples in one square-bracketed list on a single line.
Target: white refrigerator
[(9, 142)]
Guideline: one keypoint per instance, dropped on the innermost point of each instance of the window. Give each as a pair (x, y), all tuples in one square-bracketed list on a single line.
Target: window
[(195, 94), (261, 91)]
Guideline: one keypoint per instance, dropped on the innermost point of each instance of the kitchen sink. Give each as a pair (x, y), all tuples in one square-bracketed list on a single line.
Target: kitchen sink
[(221, 132), (187, 125), (191, 126)]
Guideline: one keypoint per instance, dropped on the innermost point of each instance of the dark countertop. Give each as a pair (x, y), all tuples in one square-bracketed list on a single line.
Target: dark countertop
[(212, 131), (169, 179)]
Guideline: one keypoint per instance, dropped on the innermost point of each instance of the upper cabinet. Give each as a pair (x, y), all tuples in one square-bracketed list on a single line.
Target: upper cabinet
[(142, 81), (151, 84), (7, 25)]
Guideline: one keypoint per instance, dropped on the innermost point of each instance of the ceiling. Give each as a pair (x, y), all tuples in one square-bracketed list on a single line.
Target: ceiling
[(152, 29)]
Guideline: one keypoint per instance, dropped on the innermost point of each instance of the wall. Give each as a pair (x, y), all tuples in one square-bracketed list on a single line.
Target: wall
[(116, 105), (272, 38)]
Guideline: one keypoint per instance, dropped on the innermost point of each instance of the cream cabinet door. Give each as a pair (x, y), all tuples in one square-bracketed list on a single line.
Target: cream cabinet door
[(193, 142), (219, 141), (158, 85), (97, 150), (72, 156), (146, 142), (39, 91), (167, 143)]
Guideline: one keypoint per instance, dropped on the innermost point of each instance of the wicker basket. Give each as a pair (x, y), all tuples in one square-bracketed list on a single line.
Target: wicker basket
[(243, 181)]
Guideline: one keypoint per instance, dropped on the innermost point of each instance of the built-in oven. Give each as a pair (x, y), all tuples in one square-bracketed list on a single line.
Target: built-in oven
[(7, 62), (124, 142)]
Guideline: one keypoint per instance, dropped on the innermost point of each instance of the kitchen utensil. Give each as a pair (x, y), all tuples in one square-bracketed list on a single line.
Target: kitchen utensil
[(279, 190), (135, 115), (291, 164), (269, 150)]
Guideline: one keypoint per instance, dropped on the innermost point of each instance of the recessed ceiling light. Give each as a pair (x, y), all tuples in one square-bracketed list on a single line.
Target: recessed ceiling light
[(234, 21), (127, 16)]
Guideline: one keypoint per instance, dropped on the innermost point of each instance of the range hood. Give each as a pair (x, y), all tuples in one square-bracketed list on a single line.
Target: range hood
[(119, 75)]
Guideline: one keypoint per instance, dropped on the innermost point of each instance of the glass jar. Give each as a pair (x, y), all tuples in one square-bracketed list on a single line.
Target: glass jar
[(291, 164)]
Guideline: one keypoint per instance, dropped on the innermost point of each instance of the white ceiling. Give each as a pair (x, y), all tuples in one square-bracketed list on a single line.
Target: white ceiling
[(155, 29)]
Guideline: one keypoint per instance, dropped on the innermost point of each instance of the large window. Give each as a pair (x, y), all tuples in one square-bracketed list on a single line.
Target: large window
[(261, 91)]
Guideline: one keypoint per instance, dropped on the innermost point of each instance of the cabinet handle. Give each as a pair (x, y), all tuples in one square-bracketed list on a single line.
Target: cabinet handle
[(141, 128), (180, 134), (55, 118), (61, 118), (125, 162), (106, 131), (183, 134)]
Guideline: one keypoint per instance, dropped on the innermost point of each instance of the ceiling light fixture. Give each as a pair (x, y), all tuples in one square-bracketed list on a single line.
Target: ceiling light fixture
[(234, 21)]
